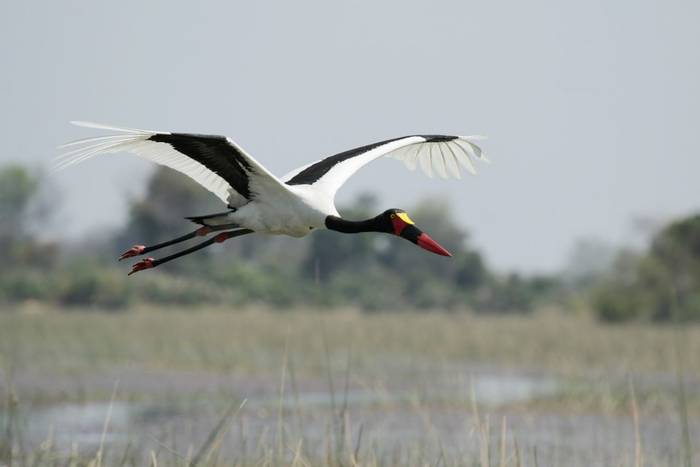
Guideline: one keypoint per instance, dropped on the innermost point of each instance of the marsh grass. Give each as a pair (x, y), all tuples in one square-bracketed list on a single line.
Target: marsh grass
[(607, 370), (251, 341), (494, 445)]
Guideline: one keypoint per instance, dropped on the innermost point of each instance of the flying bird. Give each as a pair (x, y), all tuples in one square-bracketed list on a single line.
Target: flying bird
[(257, 201)]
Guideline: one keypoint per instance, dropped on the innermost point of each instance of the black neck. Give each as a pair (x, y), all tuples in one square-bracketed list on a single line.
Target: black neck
[(338, 224)]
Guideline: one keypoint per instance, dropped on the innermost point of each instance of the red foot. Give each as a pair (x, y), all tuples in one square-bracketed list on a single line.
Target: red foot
[(141, 265), (203, 231), (222, 237), (133, 251)]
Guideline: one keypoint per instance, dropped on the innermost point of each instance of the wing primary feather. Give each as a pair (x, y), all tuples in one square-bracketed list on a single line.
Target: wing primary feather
[(466, 147), (90, 152), (424, 162), (445, 165), (452, 165), (473, 137), (86, 141), (437, 162), (103, 145), (471, 148), (100, 146), (464, 160), (100, 126), (477, 149), (454, 155), (411, 160), (83, 154)]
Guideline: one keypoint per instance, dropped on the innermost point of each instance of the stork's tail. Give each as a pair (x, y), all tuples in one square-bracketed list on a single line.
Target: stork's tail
[(216, 221)]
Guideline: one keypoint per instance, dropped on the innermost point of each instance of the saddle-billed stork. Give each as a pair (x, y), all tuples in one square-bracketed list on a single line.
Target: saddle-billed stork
[(257, 201)]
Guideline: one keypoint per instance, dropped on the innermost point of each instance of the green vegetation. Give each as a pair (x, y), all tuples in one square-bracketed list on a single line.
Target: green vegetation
[(20, 203), (660, 285), (369, 271), (327, 269)]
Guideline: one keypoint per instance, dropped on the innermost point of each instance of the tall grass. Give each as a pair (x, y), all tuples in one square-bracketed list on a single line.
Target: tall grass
[(342, 351), (493, 445), (679, 344), (251, 341)]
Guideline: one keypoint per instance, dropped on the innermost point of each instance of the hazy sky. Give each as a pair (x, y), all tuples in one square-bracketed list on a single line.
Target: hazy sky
[(591, 108)]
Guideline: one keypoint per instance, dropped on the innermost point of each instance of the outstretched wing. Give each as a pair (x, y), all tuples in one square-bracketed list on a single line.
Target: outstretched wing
[(445, 155), (215, 162)]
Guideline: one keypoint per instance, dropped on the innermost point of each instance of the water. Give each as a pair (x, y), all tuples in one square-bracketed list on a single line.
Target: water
[(83, 423), (436, 416)]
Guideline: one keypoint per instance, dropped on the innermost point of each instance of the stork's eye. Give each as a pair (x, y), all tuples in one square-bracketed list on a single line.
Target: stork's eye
[(311, 227), (393, 216)]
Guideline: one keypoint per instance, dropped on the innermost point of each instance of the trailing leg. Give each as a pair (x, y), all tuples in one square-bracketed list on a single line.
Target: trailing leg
[(137, 250), (150, 263)]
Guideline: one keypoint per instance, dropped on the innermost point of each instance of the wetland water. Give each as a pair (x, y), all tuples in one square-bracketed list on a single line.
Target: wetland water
[(176, 414)]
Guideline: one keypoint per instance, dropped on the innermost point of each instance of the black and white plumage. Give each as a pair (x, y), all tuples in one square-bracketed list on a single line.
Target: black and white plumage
[(258, 201)]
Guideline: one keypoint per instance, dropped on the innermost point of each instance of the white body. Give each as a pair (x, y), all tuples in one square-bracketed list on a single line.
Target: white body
[(296, 213)]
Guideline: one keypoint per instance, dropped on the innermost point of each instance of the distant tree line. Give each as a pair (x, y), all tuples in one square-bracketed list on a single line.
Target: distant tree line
[(327, 269), (662, 284)]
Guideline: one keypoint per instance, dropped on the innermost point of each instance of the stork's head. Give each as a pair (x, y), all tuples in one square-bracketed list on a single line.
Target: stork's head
[(398, 223)]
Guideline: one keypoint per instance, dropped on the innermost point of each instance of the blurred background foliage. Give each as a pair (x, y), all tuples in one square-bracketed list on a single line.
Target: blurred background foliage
[(370, 271), (662, 284)]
